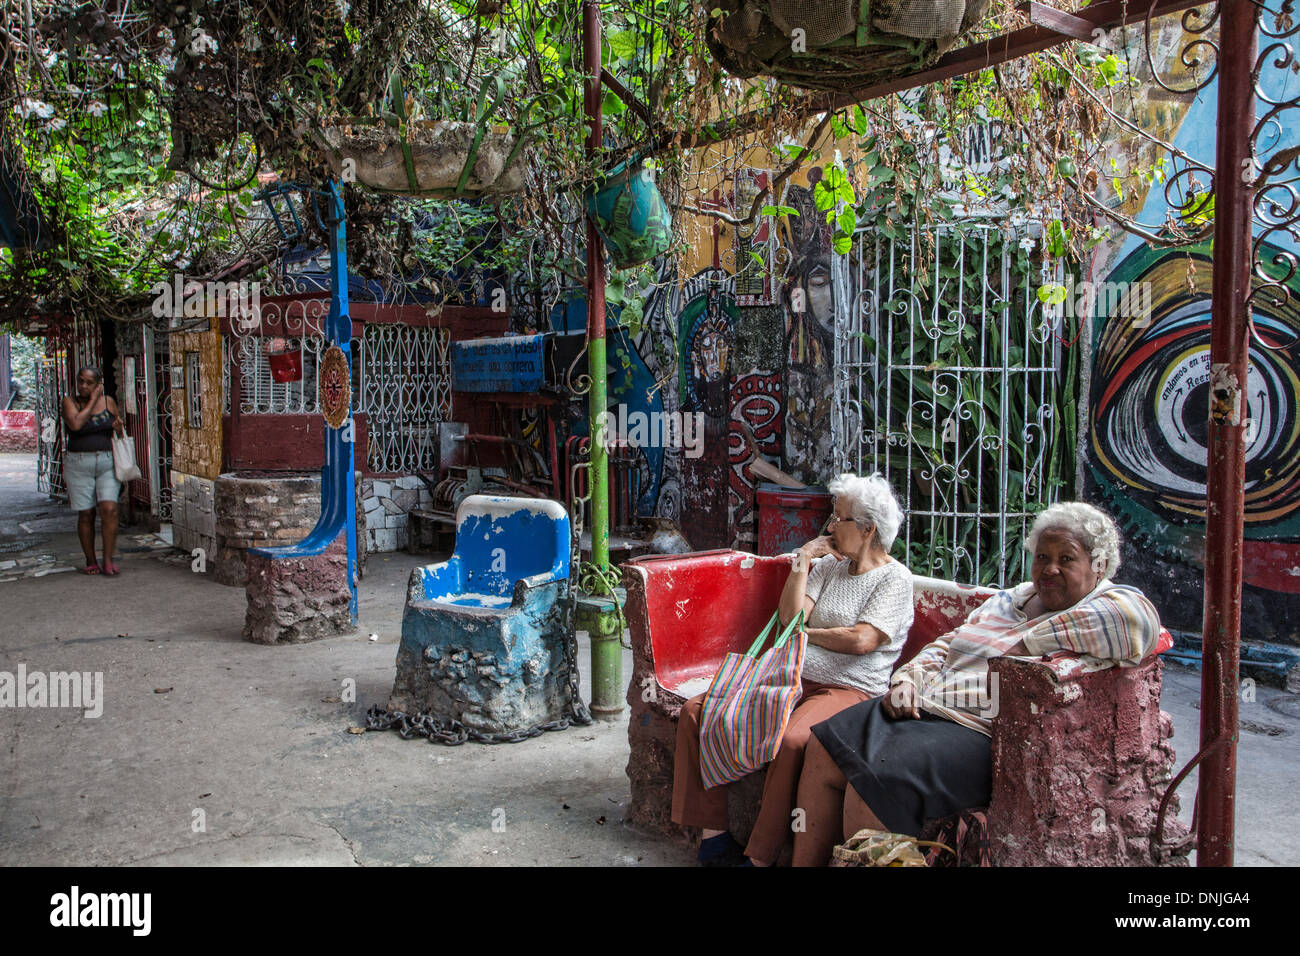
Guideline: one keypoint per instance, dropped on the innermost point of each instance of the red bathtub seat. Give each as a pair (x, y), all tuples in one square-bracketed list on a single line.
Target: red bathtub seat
[(1097, 738)]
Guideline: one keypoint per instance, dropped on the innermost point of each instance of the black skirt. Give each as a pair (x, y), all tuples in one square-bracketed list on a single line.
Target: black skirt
[(909, 771)]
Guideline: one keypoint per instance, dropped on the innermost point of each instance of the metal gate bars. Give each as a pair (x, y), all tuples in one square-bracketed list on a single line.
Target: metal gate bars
[(949, 381)]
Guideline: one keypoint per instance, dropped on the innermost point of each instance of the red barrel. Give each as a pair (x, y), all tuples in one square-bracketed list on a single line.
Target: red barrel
[(787, 517)]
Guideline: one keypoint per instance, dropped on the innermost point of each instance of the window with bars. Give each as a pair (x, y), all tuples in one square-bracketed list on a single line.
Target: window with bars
[(401, 380)]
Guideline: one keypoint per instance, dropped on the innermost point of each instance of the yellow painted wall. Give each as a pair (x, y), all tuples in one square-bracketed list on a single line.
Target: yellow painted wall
[(713, 168)]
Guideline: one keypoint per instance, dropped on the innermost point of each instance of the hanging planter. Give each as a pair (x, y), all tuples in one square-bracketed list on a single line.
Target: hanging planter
[(431, 158), (836, 45), (442, 158), (286, 363), (630, 214)]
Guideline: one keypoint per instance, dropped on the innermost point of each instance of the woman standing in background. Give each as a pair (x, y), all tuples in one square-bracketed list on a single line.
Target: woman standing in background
[(91, 418)]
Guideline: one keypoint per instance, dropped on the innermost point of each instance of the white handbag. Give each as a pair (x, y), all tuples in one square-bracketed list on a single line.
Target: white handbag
[(124, 466)]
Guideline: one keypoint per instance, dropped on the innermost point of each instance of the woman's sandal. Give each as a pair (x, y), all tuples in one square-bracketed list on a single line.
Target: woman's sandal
[(111, 569), (91, 568)]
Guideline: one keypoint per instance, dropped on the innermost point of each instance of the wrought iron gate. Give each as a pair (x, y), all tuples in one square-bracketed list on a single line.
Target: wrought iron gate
[(405, 393), (950, 382), (49, 425)]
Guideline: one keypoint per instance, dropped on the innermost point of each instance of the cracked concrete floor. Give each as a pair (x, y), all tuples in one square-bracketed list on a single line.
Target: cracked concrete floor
[(212, 751), (201, 728)]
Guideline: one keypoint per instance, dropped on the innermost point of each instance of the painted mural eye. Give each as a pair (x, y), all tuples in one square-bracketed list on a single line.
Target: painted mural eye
[(1150, 411), (819, 277)]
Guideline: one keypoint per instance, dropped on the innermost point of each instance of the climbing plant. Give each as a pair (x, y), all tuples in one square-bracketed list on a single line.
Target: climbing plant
[(142, 131)]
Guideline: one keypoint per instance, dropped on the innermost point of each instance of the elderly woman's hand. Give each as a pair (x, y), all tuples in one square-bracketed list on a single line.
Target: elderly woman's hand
[(902, 701), (819, 547)]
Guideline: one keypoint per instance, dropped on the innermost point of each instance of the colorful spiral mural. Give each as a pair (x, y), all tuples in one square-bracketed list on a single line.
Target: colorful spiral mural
[(1150, 402)]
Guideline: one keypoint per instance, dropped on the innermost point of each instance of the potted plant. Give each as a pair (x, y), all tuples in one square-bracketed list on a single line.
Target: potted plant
[(398, 154)]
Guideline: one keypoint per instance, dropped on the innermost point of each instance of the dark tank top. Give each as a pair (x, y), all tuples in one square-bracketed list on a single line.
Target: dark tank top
[(95, 435)]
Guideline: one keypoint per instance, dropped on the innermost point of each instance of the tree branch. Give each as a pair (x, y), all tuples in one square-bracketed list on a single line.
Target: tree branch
[(777, 181), (1126, 223)]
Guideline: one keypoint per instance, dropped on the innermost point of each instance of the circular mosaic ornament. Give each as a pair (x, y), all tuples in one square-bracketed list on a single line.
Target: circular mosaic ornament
[(335, 387)]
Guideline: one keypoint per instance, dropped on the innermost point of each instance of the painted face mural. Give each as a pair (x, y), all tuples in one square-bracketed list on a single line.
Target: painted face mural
[(810, 338), (704, 332), (1150, 401), (812, 307)]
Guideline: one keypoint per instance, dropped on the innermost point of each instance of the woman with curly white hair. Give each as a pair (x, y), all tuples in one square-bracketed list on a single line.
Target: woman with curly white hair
[(857, 604), (923, 751)]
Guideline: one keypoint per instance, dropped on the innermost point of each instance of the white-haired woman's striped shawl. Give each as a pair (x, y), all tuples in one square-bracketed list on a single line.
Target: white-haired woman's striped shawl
[(1114, 622)]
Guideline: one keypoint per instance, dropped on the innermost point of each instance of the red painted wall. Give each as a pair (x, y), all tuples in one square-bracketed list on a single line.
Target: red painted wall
[(283, 443)]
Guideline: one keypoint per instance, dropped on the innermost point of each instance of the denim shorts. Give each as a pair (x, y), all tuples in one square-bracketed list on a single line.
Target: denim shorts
[(89, 478)]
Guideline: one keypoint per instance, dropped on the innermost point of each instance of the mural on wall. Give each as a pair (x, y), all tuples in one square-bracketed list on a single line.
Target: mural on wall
[(810, 338), (753, 246), (756, 404), (1150, 397), (705, 325), (1149, 403), (741, 346)]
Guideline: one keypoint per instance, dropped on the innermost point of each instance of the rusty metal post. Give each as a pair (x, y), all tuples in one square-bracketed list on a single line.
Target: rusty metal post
[(606, 633), (1225, 503)]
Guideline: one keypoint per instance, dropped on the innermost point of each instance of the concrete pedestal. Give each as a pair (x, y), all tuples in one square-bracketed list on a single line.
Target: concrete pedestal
[(294, 600), (1079, 766)]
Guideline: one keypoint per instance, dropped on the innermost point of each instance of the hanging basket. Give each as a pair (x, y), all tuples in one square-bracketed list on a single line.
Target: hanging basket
[(440, 158), (845, 45), (631, 215), (436, 158)]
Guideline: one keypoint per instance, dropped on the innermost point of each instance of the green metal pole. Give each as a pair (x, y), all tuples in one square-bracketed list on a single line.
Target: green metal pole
[(604, 628)]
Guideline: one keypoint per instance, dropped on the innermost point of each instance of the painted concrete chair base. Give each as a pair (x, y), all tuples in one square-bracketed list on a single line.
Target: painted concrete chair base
[(298, 599), (485, 632), (1067, 743), (1080, 762)]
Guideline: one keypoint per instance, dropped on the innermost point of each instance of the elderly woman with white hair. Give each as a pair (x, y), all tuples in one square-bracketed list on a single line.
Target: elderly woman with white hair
[(923, 751), (857, 604)]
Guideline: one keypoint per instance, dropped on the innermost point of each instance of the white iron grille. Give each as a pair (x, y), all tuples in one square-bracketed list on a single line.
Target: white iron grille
[(260, 394), (949, 389), (405, 393)]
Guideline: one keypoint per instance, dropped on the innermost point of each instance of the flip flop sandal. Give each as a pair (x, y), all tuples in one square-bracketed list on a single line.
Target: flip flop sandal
[(92, 568), (111, 569)]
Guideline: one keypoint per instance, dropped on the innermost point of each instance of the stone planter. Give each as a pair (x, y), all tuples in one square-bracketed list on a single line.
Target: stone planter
[(442, 158), (259, 509)]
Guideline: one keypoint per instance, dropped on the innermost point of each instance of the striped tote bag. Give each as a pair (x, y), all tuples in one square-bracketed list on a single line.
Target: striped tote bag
[(748, 705)]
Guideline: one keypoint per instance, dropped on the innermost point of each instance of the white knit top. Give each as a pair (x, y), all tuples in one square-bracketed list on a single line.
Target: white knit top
[(881, 597)]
